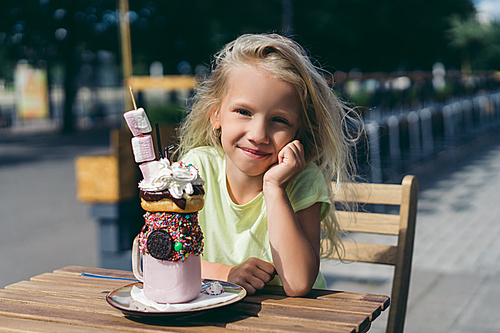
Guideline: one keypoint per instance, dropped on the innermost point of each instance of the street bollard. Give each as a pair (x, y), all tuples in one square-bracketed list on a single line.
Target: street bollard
[(373, 140), (449, 129), (414, 134), (426, 128)]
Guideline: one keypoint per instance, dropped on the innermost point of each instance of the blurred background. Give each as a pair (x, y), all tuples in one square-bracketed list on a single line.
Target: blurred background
[(386, 56), (424, 76)]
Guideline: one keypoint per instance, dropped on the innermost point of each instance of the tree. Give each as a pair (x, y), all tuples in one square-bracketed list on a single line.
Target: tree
[(487, 56), (465, 34)]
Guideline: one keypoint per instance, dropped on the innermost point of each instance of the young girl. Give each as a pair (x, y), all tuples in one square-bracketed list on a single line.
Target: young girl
[(267, 134)]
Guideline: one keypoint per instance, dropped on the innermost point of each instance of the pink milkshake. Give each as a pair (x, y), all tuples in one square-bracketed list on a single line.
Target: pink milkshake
[(171, 240)]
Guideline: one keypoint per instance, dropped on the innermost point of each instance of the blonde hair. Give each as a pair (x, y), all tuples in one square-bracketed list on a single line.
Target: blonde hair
[(323, 130)]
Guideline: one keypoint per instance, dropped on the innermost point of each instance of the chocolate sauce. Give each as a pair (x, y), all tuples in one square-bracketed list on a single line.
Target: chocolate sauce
[(157, 196)]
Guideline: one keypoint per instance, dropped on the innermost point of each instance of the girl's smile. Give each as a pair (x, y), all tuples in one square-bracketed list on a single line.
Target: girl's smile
[(258, 116), (253, 153)]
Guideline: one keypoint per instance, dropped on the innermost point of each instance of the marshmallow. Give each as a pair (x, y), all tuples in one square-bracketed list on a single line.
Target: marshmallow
[(150, 171), (143, 148), (137, 121), (215, 288)]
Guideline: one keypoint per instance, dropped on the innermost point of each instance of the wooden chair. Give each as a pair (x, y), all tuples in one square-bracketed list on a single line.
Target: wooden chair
[(401, 225)]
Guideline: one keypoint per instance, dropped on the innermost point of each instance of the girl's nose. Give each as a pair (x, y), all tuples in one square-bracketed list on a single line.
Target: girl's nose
[(258, 133)]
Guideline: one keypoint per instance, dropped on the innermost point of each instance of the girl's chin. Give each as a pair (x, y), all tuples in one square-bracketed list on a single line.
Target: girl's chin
[(252, 170), (251, 167)]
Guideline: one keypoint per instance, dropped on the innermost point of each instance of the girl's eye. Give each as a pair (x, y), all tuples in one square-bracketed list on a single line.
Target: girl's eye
[(243, 112), (281, 120)]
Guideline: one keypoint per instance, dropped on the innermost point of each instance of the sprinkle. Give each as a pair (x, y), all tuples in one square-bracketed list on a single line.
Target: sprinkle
[(190, 242)]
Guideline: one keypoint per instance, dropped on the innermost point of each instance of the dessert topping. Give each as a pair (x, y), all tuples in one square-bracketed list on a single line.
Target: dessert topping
[(177, 177)]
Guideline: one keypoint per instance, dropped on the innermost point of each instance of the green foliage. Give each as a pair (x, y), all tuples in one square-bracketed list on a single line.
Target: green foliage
[(463, 33), (489, 56), (361, 98)]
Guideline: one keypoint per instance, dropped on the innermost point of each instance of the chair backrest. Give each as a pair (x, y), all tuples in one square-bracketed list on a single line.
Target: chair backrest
[(401, 225)]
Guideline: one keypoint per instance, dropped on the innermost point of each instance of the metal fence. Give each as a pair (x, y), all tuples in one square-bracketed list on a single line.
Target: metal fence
[(398, 141)]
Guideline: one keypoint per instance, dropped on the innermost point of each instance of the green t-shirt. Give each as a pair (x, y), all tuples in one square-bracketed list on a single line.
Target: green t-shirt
[(233, 233)]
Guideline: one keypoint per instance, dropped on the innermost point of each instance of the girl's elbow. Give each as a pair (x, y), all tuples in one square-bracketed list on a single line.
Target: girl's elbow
[(298, 289)]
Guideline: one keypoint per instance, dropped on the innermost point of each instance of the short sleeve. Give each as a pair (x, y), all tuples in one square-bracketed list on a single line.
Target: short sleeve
[(307, 188)]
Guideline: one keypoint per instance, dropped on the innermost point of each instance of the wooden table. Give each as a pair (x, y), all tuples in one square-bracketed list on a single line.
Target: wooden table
[(64, 301)]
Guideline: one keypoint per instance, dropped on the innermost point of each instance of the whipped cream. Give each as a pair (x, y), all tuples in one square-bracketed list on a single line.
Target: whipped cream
[(177, 177)]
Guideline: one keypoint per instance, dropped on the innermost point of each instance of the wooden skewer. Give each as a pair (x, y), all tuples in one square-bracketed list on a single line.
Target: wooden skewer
[(133, 99)]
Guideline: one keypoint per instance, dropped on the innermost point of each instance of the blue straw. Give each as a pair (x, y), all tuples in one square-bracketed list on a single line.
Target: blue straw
[(107, 277)]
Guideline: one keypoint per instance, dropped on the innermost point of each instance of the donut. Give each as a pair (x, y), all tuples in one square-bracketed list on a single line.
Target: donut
[(192, 204)]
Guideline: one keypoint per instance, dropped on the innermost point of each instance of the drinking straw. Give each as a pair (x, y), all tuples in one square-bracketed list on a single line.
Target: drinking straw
[(167, 151), (158, 139)]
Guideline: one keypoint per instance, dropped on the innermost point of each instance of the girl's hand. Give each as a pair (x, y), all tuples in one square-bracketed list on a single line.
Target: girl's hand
[(252, 274), (291, 162)]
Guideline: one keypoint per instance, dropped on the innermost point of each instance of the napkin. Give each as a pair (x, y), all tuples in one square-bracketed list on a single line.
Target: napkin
[(202, 300)]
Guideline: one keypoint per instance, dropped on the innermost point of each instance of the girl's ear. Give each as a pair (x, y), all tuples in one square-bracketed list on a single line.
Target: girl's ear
[(214, 118)]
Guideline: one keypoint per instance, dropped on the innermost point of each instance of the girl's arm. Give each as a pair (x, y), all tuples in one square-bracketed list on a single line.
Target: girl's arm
[(214, 271), (295, 243), (294, 237)]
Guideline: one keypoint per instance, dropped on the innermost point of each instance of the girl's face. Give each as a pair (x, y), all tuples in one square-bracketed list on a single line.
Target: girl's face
[(258, 116)]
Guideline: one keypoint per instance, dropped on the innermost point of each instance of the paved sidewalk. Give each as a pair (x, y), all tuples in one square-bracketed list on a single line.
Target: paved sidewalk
[(43, 226), (456, 268)]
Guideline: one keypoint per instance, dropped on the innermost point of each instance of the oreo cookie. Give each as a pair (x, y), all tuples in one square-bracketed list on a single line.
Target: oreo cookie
[(159, 244)]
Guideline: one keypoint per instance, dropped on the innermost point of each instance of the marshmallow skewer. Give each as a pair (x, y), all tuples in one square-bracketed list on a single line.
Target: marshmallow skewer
[(139, 125), (133, 99)]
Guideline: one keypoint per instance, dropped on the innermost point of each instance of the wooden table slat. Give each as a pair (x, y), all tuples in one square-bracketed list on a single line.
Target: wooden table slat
[(383, 300), (243, 321), (354, 321), (97, 320), (70, 303), (370, 309), (79, 270), (11, 324), (282, 325), (80, 281), (59, 290)]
